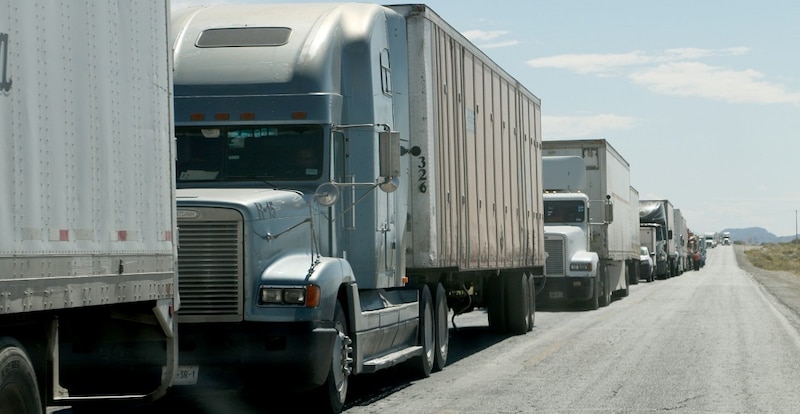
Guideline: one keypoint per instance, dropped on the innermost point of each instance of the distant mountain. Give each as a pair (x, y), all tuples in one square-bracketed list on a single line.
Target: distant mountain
[(756, 235)]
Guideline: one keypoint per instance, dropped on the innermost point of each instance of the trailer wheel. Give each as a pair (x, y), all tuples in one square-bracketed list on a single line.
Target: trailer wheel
[(531, 301), (422, 365), (334, 392), (495, 295), (517, 295), (442, 329), (19, 392)]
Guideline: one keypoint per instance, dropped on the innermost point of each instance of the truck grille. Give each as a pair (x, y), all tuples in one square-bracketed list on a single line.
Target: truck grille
[(210, 270), (555, 257)]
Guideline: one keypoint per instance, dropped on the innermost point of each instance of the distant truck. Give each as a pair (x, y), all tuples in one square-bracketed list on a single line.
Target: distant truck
[(681, 236), (648, 237), (636, 242), (659, 216), (711, 239), (589, 223), (416, 192), (88, 258)]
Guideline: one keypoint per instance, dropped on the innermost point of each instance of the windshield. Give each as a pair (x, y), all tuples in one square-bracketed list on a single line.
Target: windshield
[(289, 153), (571, 211), (661, 234)]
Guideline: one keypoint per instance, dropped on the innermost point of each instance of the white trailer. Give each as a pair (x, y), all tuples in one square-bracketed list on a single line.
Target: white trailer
[(422, 194), (604, 218), (87, 255)]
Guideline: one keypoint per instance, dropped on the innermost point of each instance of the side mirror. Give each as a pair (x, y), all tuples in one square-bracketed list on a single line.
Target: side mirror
[(389, 158), (327, 194)]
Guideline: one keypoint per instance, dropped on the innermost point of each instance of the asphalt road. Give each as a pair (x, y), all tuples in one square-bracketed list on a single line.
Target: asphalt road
[(711, 341), (725, 339)]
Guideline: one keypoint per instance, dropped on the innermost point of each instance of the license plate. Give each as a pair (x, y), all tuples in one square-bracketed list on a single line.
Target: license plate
[(186, 375), (556, 295)]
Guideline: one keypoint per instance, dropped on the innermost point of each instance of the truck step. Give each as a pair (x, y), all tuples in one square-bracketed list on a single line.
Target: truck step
[(392, 359)]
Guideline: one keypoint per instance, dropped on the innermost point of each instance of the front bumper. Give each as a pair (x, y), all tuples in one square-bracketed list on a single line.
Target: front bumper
[(296, 355), (566, 290)]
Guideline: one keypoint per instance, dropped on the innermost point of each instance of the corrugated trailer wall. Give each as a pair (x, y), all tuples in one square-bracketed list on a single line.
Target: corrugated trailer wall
[(482, 204), (86, 168)]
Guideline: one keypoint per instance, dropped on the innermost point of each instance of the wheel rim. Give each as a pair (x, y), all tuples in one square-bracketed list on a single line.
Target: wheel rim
[(443, 334), (429, 336), (341, 359)]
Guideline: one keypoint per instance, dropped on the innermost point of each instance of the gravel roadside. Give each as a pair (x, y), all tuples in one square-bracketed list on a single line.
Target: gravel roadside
[(783, 286)]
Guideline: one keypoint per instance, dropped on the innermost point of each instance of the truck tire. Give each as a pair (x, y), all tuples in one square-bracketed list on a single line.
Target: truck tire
[(422, 365), (594, 302), (19, 392), (531, 301), (441, 312), (333, 392), (605, 290), (517, 302), (495, 295)]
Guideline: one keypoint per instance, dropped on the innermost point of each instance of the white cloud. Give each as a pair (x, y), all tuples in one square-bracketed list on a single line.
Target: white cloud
[(696, 53), (705, 81), (592, 63), (561, 127), (488, 39), (678, 72), (495, 45), (484, 35)]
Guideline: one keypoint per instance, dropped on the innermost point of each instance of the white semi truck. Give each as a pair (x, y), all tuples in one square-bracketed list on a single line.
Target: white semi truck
[(87, 249), (348, 175), (659, 216), (589, 225), (681, 236)]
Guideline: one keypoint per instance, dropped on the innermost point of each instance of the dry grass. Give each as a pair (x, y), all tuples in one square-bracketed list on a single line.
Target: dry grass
[(776, 256)]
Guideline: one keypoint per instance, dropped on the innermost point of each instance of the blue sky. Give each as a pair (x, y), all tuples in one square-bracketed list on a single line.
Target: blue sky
[(701, 97)]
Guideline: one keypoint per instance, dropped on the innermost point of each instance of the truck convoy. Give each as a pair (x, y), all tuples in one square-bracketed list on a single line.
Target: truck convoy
[(659, 216), (87, 249), (591, 232), (348, 174)]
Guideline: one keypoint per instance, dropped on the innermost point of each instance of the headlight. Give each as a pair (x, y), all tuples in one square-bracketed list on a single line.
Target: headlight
[(271, 295), (581, 267), (294, 296), (307, 296)]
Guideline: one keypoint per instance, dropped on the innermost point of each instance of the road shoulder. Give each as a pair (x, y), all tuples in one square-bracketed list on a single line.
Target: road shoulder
[(783, 286)]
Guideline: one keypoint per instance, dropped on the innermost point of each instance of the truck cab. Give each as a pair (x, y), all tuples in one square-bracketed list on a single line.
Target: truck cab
[(571, 267)]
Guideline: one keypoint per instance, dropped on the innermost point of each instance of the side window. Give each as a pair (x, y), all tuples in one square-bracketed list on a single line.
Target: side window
[(386, 73)]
